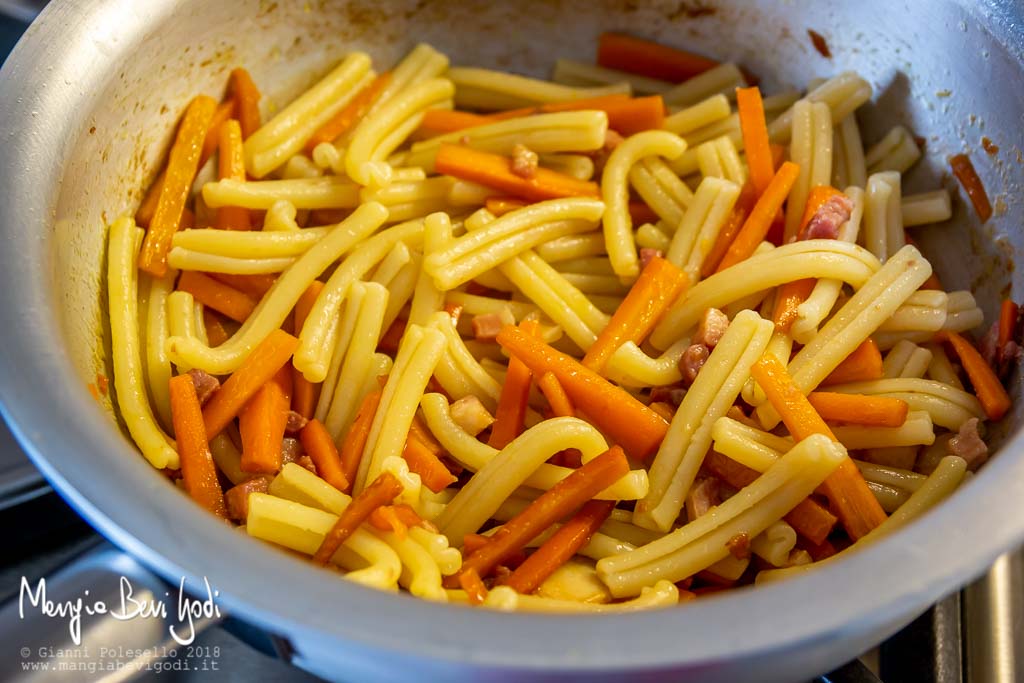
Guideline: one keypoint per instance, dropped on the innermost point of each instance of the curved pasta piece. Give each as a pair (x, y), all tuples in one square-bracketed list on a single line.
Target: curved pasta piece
[(484, 248), (158, 365), (420, 350), (618, 226), (279, 301), (774, 544), (317, 338), (377, 136), (449, 559), (459, 373), (630, 366), (796, 261), (695, 236), (249, 244), (420, 574), (477, 501), (284, 135), (473, 455), (703, 541), (124, 239), (713, 392), (280, 217)]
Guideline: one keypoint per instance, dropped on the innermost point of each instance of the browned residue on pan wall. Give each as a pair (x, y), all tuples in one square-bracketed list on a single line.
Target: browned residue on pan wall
[(819, 43), (990, 148)]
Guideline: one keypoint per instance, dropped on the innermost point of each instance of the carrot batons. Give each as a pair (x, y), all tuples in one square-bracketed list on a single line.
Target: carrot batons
[(305, 393), (395, 518), (424, 462), (181, 170), (515, 392), (262, 423), (865, 363), (197, 468), (627, 421), (247, 99), (381, 491), (494, 170), (320, 448), (217, 295), (256, 370), (964, 171), (870, 411), (756, 227), (561, 404), (351, 113), (659, 285), (851, 499), (646, 58), (231, 166), (987, 386), (755, 137), (355, 440)]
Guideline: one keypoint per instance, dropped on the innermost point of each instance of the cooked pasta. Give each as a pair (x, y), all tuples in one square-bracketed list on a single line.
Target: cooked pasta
[(597, 343)]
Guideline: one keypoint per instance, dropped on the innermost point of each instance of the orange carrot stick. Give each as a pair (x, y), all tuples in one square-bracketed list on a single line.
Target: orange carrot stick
[(510, 415), (627, 115), (816, 198), (225, 110), (964, 171), (266, 359), (738, 216), (420, 430), (231, 166), (471, 582), (262, 422), (384, 489), (1007, 321), (499, 206), (350, 114), (659, 285), (242, 88), (215, 332), (305, 393), (441, 121), (358, 433), (422, 461), (640, 213), (865, 363), (852, 500), (197, 468), (495, 171), (631, 424), (181, 170), (756, 227), (253, 285), (554, 504), (871, 411), (320, 447), (217, 295), (561, 404), (396, 518), (808, 518), (755, 137), (562, 545), (987, 386), (646, 58)]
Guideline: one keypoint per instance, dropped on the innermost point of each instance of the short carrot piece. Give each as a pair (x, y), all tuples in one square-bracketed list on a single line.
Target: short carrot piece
[(560, 548), (852, 500), (262, 422), (561, 404), (494, 170), (254, 285), (647, 58), (964, 171), (510, 414), (870, 411), (471, 582), (225, 110), (737, 217), (355, 440), (556, 503), (419, 429), (1007, 322), (305, 393), (320, 447), (197, 467), (987, 386), (260, 365), (215, 332), (864, 364), (755, 137), (382, 491), (217, 295), (756, 227), (231, 166), (395, 518), (350, 114), (181, 170), (627, 115), (627, 421), (659, 285), (422, 461), (809, 518), (247, 97), (441, 121)]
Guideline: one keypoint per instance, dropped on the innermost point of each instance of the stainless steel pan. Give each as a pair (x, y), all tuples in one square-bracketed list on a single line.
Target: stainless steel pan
[(89, 99)]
